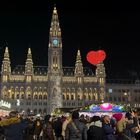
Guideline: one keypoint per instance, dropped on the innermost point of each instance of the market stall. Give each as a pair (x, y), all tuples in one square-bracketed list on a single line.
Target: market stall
[(102, 109)]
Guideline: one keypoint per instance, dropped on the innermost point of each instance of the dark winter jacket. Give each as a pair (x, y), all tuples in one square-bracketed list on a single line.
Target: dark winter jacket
[(72, 134), (108, 132), (14, 131), (95, 131)]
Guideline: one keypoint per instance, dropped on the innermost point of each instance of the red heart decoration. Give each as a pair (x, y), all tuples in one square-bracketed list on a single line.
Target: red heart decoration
[(96, 57)]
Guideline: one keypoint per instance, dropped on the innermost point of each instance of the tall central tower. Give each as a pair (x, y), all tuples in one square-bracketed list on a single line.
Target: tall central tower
[(55, 64)]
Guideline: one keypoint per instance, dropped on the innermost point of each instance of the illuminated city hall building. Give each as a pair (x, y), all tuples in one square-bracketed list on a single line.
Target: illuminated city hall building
[(41, 89)]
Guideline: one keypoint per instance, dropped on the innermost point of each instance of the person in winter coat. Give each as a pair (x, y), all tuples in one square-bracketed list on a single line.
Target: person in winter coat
[(37, 128), (76, 130), (57, 125), (13, 126), (120, 125), (131, 125), (48, 133), (29, 131), (65, 123), (95, 131), (109, 132)]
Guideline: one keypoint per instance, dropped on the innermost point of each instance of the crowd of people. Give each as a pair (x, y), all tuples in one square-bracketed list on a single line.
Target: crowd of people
[(71, 127)]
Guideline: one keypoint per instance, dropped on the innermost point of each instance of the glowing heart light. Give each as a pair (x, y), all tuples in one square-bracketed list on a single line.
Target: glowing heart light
[(96, 57), (106, 106)]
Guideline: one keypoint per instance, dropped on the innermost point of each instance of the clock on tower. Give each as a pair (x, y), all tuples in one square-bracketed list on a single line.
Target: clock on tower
[(55, 42)]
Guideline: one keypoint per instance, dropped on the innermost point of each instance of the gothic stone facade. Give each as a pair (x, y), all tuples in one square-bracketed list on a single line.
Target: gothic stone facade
[(41, 89)]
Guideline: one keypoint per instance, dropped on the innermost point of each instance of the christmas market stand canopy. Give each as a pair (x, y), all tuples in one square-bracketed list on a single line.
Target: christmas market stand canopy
[(104, 107)]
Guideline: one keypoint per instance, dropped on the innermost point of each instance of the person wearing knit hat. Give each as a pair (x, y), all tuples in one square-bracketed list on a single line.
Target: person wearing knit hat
[(120, 124), (118, 116)]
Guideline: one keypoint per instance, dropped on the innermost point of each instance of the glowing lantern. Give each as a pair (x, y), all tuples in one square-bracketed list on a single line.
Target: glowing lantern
[(96, 57)]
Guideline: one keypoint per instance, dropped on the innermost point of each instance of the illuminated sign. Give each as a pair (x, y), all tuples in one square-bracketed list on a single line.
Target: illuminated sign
[(5, 104), (96, 57), (106, 107)]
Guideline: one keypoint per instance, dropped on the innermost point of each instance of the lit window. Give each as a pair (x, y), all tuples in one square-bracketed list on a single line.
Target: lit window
[(110, 90)]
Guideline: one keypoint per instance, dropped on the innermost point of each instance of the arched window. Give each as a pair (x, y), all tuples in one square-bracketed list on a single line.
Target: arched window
[(72, 97), (12, 96), (63, 97), (40, 96), (35, 111), (17, 96), (78, 97), (22, 96), (35, 97), (29, 97), (67, 97), (89, 97), (35, 103), (45, 96)]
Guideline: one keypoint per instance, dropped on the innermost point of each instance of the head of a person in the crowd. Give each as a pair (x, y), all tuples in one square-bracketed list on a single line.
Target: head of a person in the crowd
[(106, 119), (68, 116), (96, 118), (136, 112), (118, 116), (75, 115), (47, 118), (82, 116), (128, 116), (13, 114)]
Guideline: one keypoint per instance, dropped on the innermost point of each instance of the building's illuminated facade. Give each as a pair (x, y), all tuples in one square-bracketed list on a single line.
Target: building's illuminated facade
[(41, 89)]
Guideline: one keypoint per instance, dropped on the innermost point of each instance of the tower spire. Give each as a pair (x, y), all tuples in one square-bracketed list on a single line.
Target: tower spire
[(29, 55), (29, 63), (78, 64), (6, 54), (55, 31), (6, 68), (78, 59)]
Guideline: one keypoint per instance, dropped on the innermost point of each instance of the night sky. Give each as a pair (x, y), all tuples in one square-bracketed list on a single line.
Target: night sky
[(113, 27)]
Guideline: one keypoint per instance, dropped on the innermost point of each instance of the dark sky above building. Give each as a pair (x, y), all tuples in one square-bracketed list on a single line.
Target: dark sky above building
[(113, 27)]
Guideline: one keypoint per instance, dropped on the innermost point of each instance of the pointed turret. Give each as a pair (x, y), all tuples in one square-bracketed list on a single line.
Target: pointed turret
[(29, 64), (78, 65), (55, 31), (6, 68)]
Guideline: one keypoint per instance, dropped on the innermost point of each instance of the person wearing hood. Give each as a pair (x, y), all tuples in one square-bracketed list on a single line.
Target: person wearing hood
[(95, 131)]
